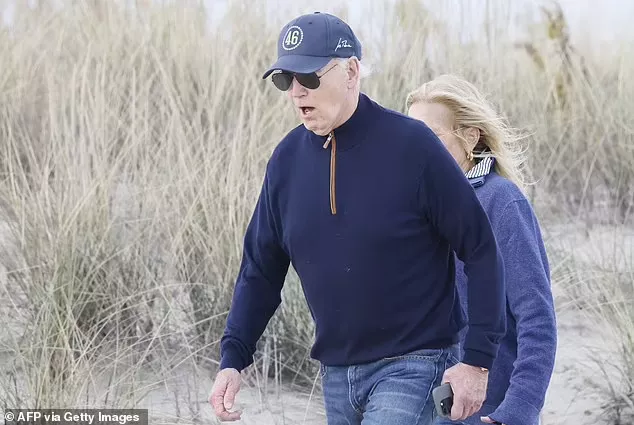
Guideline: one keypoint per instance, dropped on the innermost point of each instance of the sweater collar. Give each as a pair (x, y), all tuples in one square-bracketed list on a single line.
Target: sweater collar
[(477, 175), (353, 131)]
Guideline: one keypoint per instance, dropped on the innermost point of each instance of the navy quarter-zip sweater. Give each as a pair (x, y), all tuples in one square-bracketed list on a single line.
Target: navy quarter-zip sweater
[(368, 218)]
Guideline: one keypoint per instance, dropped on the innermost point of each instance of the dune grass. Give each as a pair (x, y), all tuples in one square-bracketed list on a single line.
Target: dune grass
[(132, 149)]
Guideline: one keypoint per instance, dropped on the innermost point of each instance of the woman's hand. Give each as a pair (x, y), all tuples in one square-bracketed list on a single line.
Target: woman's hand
[(488, 420)]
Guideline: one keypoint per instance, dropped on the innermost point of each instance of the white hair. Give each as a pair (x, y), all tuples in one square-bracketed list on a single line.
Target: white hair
[(364, 70)]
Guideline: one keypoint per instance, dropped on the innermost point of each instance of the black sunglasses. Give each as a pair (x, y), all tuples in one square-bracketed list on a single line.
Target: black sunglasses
[(284, 79)]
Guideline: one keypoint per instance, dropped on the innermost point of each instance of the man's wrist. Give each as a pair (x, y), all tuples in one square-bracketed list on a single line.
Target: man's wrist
[(230, 359), (477, 359), (478, 368)]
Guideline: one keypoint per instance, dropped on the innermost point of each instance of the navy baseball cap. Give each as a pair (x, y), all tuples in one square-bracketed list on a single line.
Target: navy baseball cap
[(308, 42)]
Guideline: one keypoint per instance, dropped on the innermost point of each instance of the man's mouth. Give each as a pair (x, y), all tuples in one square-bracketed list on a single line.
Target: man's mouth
[(306, 110)]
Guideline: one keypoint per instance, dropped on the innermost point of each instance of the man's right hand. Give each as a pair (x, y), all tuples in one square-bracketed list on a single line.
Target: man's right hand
[(223, 394)]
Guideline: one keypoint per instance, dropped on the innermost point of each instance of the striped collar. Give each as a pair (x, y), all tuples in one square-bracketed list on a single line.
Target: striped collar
[(477, 174)]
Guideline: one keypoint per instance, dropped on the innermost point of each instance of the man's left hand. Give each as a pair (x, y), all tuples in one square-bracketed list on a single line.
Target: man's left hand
[(469, 385), (488, 420)]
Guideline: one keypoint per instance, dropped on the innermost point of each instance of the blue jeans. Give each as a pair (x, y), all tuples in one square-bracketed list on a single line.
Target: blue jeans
[(391, 391)]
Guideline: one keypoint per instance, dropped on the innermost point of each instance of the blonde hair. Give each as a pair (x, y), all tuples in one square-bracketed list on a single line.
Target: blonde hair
[(470, 108)]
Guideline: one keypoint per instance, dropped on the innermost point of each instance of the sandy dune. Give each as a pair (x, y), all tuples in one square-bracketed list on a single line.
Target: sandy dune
[(573, 398)]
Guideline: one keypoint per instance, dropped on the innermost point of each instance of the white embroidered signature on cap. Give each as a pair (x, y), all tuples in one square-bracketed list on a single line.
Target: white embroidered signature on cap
[(342, 43)]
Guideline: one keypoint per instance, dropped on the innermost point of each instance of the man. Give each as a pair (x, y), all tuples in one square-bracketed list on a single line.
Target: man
[(367, 204)]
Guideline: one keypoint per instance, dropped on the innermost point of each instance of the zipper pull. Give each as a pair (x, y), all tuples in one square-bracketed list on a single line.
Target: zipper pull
[(328, 140)]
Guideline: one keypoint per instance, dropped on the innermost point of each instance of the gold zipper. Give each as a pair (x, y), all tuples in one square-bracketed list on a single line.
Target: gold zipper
[(333, 153)]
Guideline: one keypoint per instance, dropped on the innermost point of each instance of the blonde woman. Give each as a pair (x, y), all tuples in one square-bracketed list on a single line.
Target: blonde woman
[(487, 152)]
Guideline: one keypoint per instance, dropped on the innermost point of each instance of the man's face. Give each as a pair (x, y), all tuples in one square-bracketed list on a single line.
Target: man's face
[(321, 109)]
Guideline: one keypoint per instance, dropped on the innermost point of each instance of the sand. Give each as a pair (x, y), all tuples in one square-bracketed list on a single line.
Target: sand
[(573, 398)]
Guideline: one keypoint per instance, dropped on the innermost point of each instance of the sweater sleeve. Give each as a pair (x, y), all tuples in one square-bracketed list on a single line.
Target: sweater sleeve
[(531, 303), (258, 287), (453, 208)]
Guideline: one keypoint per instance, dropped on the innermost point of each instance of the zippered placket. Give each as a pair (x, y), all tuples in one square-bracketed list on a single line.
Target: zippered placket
[(333, 156)]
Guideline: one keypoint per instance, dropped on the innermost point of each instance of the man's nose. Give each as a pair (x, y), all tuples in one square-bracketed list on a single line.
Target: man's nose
[(297, 89)]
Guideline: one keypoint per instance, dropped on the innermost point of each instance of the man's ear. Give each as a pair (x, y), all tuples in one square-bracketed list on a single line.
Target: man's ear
[(354, 71)]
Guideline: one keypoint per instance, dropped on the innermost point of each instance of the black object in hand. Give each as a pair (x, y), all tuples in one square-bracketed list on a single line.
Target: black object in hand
[(443, 399)]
